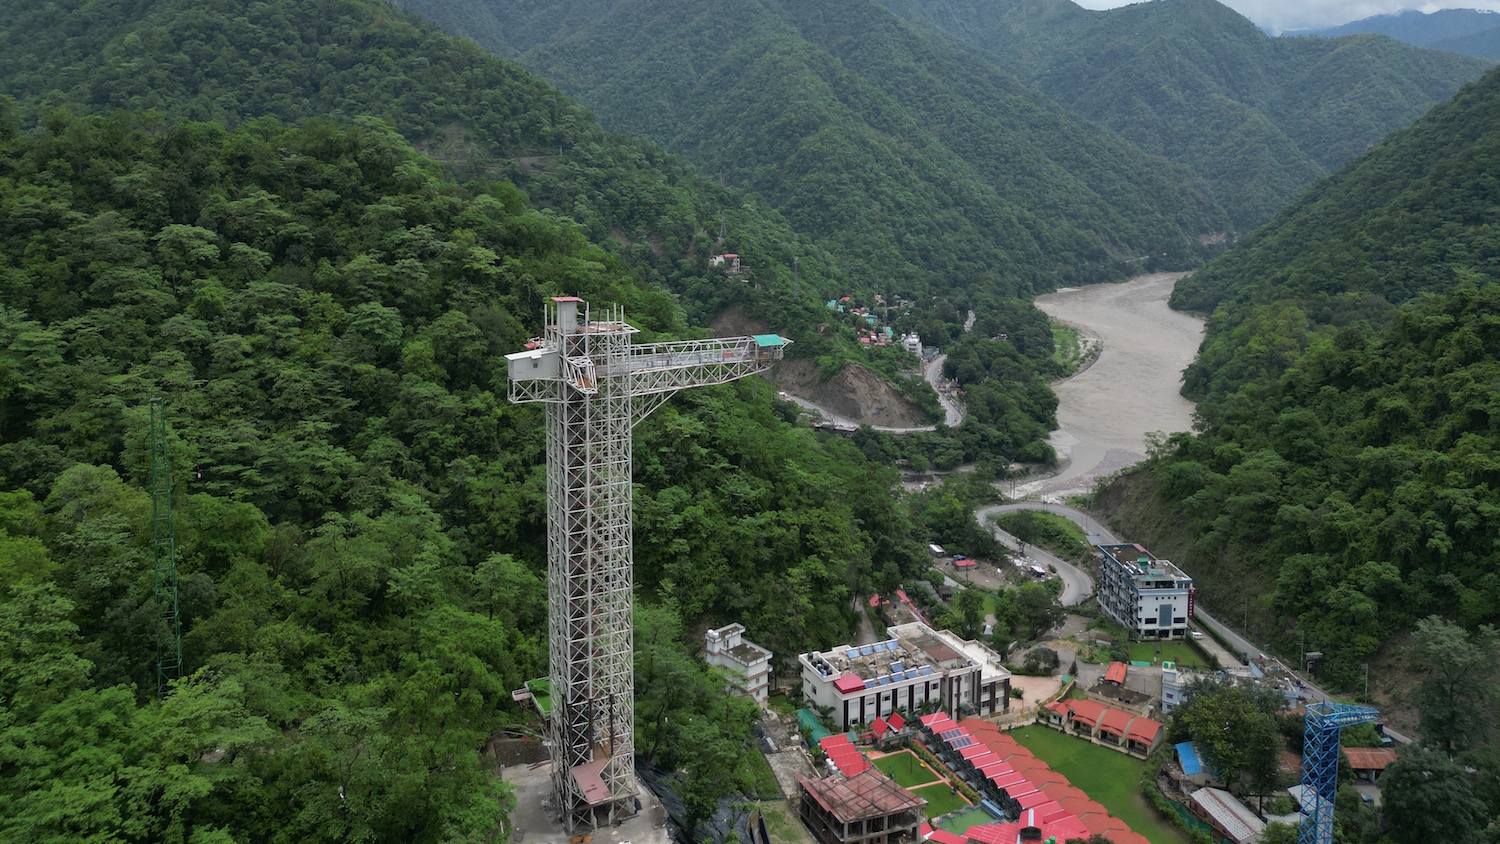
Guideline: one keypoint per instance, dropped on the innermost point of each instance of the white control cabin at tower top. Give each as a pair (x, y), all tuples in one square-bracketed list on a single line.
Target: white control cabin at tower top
[(597, 385)]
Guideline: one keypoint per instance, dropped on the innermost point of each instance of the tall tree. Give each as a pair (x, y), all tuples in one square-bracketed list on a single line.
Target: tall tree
[(1460, 683), (1428, 797)]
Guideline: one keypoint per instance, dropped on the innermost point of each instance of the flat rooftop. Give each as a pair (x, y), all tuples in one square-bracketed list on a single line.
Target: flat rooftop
[(1143, 565), (915, 650)]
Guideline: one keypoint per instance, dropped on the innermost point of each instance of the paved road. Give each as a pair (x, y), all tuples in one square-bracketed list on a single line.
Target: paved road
[(1078, 586), (1092, 526), (953, 415)]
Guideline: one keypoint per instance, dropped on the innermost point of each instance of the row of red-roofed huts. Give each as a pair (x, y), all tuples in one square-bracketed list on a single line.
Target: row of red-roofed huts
[(1022, 786), (843, 755), (1135, 734), (847, 758)]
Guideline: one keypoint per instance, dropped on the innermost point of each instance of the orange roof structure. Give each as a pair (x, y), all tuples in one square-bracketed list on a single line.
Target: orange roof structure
[(1087, 711), (1143, 730), (1370, 758), (1061, 791), (1047, 800), (1115, 673), (1104, 825), (1114, 721), (1041, 777)]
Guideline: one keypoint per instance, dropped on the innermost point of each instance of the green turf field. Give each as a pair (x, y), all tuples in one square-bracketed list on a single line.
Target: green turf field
[(1110, 778), (1180, 652), (940, 799), (960, 823), (905, 768)]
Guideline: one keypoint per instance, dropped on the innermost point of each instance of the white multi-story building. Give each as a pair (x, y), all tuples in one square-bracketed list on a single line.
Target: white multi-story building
[(1149, 596), (748, 664), (918, 666), (1174, 681), (912, 343)]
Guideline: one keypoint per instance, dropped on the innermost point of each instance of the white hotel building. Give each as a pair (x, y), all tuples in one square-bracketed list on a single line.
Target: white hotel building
[(916, 666), (1149, 596)]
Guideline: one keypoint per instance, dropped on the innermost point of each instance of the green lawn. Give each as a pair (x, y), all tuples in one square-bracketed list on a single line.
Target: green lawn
[(784, 826), (1112, 779), (906, 769), (1180, 652), (960, 823), (765, 784), (940, 799)]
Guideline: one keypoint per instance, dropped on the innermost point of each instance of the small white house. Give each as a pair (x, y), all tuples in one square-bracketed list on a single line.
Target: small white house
[(748, 664)]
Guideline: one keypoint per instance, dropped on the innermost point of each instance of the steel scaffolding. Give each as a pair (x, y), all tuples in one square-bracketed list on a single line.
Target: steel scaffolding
[(596, 386), (1320, 765)]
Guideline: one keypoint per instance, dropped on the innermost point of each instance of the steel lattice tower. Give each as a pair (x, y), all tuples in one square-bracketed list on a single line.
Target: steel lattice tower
[(596, 386), (1320, 765), (164, 552)]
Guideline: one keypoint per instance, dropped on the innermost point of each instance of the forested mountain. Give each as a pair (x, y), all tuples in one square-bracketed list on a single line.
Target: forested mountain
[(917, 163), (1348, 451), (360, 517), (485, 118), (1473, 32), (1258, 119)]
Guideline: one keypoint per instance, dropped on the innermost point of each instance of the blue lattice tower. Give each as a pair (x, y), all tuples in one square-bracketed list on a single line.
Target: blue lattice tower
[(1320, 764), (164, 552)]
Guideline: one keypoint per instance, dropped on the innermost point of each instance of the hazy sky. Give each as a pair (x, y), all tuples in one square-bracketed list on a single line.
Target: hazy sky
[(1280, 15)]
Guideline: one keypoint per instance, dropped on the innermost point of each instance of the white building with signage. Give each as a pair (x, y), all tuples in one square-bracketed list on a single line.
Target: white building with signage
[(748, 664), (1149, 596), (916, 667)]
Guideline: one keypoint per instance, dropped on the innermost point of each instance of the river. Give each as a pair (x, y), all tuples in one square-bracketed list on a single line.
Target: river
[(1105, 412)]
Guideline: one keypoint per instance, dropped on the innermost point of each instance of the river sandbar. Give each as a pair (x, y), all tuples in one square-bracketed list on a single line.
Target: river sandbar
[(1105, 412)]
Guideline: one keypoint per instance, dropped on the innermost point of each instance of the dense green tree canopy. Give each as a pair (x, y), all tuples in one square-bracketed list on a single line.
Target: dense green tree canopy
[(1342, 473), (360, 513), (910, 160)]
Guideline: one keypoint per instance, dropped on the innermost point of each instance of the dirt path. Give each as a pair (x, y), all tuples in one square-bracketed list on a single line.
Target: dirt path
[(1105, 412)]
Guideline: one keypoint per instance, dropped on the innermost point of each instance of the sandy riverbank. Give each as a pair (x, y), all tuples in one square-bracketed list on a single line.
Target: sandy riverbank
[(1105, 412)]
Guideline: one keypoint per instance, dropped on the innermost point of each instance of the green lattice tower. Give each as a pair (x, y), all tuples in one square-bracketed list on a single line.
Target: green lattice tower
[(164, 551)]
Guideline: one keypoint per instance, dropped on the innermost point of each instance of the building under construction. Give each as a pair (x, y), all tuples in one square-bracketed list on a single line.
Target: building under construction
[(597, 385), (866, 808)]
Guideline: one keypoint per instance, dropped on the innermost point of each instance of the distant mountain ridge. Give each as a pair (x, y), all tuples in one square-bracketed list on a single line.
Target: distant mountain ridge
[(1413, 26), (1472, 32), (1258, 118)]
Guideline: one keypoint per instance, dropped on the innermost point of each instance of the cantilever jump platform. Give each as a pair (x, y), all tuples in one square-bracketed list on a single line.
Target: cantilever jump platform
[(597, 385)]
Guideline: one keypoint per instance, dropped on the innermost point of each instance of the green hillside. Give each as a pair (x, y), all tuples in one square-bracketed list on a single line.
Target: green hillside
[(1345, 475), (910, 160), (360, 514), (1257, 119)]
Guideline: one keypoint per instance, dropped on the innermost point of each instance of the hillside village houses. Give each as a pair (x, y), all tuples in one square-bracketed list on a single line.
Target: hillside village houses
[(917, 668)]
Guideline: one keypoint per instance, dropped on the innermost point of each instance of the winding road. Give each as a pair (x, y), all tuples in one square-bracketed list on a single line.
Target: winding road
[(953, 414), (1078, 586)]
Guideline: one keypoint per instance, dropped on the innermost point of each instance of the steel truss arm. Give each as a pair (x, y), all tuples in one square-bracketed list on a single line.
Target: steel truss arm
[(1320, 765), (669, 367)]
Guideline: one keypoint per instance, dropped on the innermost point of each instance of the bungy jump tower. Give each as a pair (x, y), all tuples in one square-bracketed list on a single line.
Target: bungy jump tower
[(597, 385)]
